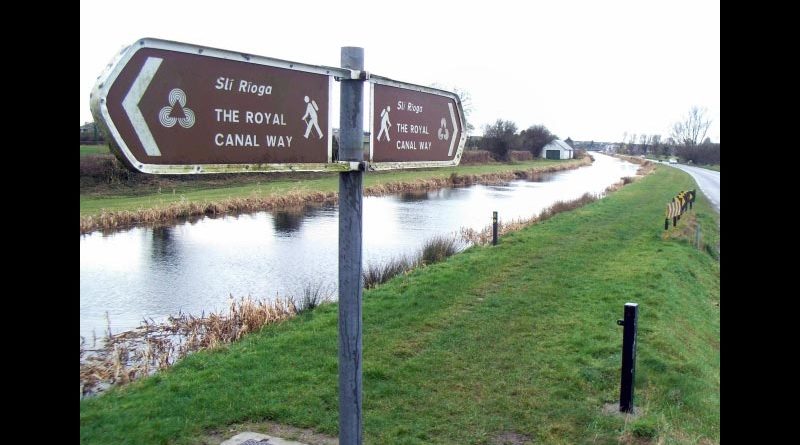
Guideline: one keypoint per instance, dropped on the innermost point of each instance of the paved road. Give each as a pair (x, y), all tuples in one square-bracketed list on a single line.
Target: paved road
[(707, 180)]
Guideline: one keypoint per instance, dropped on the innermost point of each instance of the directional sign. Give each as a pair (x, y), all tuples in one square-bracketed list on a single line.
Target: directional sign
[(173, 108), (414, 126)]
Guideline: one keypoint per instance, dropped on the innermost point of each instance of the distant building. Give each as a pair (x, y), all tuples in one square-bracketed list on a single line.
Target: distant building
[(557, 149)]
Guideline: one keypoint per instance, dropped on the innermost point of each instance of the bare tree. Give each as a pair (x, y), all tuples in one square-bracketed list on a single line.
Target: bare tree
[(692, 129), (655, 143), (630, 147), (643, 143)]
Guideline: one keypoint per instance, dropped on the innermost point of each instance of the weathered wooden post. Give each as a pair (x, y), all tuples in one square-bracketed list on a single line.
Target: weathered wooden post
[(628, 373), (494, 228)]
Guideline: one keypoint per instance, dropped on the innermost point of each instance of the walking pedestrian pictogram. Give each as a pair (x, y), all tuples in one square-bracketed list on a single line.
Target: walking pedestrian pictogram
[(385, 124), (311, 114)]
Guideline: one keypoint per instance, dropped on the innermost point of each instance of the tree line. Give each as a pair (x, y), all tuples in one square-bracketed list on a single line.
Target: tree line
[(687, 140), (502, 137)]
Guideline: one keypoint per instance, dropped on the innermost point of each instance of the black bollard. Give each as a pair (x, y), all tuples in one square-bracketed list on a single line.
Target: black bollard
[(494, 228), (629, 325), (666, 223)]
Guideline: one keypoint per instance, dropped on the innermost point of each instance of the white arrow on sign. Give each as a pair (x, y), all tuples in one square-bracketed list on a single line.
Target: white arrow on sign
[(455, 129), (131, 105)]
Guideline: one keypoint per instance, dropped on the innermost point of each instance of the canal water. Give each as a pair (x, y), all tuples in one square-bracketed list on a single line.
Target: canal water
[(193, 267)]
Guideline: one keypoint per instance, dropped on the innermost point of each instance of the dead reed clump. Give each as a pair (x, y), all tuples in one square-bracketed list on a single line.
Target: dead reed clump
[(565, 206), (439, 248), (314, 294), (184, 209), (520, 155), (646, 168), (130, 355), (484, 237), (614, 187), (433, 251), (375, 274), (633, 159), (476, 157)]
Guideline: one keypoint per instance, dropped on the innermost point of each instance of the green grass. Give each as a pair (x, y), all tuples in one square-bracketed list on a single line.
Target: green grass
[(710, 167), (517, 338), (92, 204), (94, 150)]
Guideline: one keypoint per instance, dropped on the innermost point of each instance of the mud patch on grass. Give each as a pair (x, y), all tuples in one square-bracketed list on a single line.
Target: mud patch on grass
[(511, 438), (287, 432), (612, 409)]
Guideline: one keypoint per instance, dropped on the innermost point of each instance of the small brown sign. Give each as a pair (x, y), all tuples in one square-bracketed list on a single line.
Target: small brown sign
[(414, 126), (176, 108)]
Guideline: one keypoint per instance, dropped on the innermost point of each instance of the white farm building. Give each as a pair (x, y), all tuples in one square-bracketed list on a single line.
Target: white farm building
[(557, 149)]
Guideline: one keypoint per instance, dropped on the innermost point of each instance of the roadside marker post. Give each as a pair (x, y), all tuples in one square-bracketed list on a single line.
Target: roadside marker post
[(494, 228), (628, 372)]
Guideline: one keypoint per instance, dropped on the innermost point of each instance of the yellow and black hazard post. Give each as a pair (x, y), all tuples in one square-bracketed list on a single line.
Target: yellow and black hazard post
[(667, 216), (675, 212)]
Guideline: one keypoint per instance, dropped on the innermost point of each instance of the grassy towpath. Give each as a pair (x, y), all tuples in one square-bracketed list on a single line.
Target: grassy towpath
[(514, 341)]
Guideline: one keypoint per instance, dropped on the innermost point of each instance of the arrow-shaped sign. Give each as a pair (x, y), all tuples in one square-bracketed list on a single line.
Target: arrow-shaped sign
[(414, 126), (171, 108)]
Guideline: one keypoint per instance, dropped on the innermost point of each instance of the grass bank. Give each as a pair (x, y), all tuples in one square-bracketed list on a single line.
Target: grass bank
[(514, 341), (188, 199), (94, 150)]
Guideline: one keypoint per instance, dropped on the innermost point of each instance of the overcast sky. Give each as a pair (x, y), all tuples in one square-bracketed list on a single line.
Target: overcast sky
[(589, 70)]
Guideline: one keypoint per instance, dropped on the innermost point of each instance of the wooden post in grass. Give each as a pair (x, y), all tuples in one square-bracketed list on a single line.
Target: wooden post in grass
[(629, 328), (697, 236), (494, 228)]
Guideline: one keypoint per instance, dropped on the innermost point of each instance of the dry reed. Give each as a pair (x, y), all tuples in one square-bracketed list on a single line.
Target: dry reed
[(476, 157), (520, 155), (484, 237), (130, 355)]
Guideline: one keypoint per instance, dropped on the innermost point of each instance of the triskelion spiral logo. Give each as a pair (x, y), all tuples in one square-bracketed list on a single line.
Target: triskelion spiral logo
[(176, 111)]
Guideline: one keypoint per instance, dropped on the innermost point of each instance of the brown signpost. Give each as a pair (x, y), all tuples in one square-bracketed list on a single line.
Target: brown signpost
[(173, 108), (414, 126)]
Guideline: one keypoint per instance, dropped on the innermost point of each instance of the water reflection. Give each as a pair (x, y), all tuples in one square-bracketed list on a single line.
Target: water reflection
[(163, 244), (194, 266), (413, 196), (287, 222)]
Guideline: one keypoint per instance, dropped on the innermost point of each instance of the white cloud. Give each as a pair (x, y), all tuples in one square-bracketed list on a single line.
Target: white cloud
[(585, 69)]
